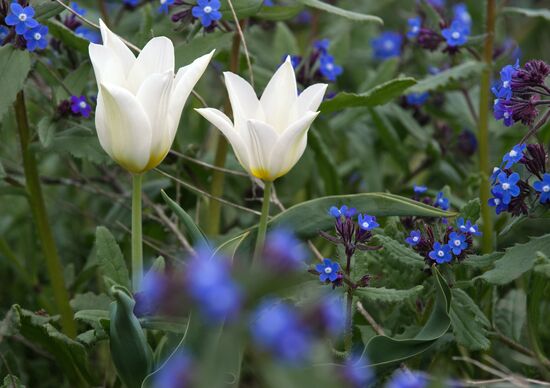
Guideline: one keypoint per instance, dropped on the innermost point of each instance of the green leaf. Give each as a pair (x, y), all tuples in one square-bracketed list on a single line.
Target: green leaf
[(483, 261), (398, 251), (187, 52), (517, 260), (387, 295), (279, 13), (383, 350), (533, 13), (243, 8), (46, 131), (196, 235), (98, 319), (354, 16), (15, 65), (89, 300), (448, 78), (67, 37), (75, 81), (11, 381), (468, 322), (390, 139), (45, 9), (378, 95), (167, 324), (81, 147), (2, 171), (284, 42), (470, 211), (131, 354), (326, 164), (408, 122), (109, 256), (510, 314), (229, 247)]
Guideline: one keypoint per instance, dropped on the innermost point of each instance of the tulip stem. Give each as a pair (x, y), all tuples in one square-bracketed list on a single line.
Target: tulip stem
[(262, 226), (137, 243), (40, 215)]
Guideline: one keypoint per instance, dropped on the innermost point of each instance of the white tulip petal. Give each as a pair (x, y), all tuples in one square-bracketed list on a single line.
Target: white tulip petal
[(244, 102), (154, 96), (291, 145), (128, 127), (111, 40), (310, 99), (101, 126), (107, 66), (222, 122), (262, 139), (156, 57), (279, 96)]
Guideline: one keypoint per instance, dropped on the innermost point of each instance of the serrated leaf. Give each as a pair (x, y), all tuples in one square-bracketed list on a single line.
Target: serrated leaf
[(510, 314), (81, 147), (110, 258), (482, 261), (468, 322), (15, 65), (533, 13), (354, 16), (387, 295), (399, 252), (89, 301), (279, 13), (446, 78), (470, 211), (517, 260), (378, 95)]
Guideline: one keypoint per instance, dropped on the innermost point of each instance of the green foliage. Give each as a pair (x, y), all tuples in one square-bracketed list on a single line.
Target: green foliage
[(15, 65), (11, 381), (109, 257), (354, 16), (468, 322), (448, 79), (394, 250), (387, 295), (533, 13), (196, 235), (470, 211)]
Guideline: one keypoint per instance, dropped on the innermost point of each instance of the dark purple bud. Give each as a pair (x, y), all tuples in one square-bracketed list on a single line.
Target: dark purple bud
[(429, 39)]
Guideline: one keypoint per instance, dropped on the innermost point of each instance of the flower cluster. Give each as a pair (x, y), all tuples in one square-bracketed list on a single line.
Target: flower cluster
[(510, 192), (206, 11), (520, 92), (20, 27)]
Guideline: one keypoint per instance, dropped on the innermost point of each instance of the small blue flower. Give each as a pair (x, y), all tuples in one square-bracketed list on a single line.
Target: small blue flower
[(343, 211), (322, 45), (414, 238), (328, 270), (207, 11), (494, 175), (328, 68), (514, 155), (456, 34), (417, 99), (441, 253), (461, 13), (387, 45), (269, 3), (543, 187), (36, 38), (283, 250), (507, 187), (457, 243), (358, 371), (80, 106), (497, 203), (414, 27), (295, 60), (89, 35), (21, 18), (3, 33), (441, 201), (419, 189), (367, 222), (78, 9), (502, 110), (176, 373), (503, 89), (467, 227), (333, 315), (132, 3), (408, 379), (437, 3), (164, 5)]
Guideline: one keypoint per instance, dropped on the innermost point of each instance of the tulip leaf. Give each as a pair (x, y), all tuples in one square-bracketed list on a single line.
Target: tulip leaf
[(533, 13), (387, 295), (378, 95), (468, 322), (354, 16), (15, 65), (447, 78), (67, 37), (278, 13), (243, 8), (110, 258), (383, 350)]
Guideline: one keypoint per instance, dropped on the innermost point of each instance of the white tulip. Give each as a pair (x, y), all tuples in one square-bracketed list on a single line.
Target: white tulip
[(140, 100), (268, 135)]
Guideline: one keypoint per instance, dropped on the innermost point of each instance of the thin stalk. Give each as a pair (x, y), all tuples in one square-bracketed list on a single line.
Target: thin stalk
[(137, 240), (483, 136), (262, 226), (36, 202)]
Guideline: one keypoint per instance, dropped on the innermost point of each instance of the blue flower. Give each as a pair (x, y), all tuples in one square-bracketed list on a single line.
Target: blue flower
[(283, 250), (507, 187), (502, 110), (89, 35), (207, 11), (419, 189), (133, 3), (408, 379), (295, 60), (328, 68), (322, 45), (155, 288), (78, 9), (441, 253), (461, 13), (503, 89), (269, 3), (417, 98), (543, 187), (358, 371), (441, 201), (277, 328), (36, 38), (497, 203), (3, 33), (164, 4), (414, 238), (456, 34), (176, 372), (437, 3), (494, 175), (414, 27), (367, 222), (80, 106), (387, 45), (514, 155), (457, 243), (21, 18), (344, 211), (333, 314), (328, 270)]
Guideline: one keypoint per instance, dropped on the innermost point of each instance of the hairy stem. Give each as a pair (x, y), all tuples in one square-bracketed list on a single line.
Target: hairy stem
[(137, 243), (262, 226)]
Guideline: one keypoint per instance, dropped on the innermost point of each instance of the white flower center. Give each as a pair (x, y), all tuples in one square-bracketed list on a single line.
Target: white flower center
[(415, 238), (497, 201), (506, 115), (328, 270), (365, 225), (472, 230), (440, 253), (455, 35), (163, 1), (415, 29), (546, 188), (82, 105), (457, 243), (388, 45), (505, 186), (466, 17), (207, 9), (506, 84), (329, 66), (513, 154), (37, 36), (22, 17), (495, 169)]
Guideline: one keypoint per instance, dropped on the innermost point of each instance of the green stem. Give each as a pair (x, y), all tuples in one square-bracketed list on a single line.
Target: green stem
[(36, 202), (137, 243), (262, 226), (483, 136)]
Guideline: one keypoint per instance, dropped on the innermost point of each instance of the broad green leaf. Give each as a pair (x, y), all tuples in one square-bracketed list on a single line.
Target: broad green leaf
[(15, 65), (383, 350), (98, 319), (85, 147), (543, 269), (109, 256), (409, 123), (448, 78), (378, 95), (468, 322), (89, 301), (533, 13), (483, 261), (387, 295), (326, 164), (354, 16), (243, 8), (67, 37), (517, 260), (11, 381), (75, 81), (470, 211), (196, 235), (284, 42), (390, 139), (279, 13), (510, 314), (187, 52), (399, 252), (229, 247), (45, 9), (46, 131)]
